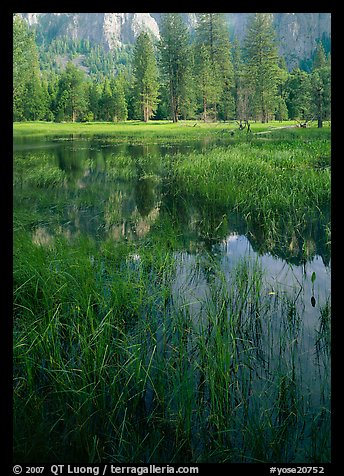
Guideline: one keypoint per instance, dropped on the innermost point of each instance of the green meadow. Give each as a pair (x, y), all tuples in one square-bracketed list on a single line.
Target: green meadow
[(172, 295), (153, 130)]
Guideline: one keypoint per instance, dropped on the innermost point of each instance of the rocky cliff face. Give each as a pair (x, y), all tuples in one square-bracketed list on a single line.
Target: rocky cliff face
[(110, 29), (297, 33)]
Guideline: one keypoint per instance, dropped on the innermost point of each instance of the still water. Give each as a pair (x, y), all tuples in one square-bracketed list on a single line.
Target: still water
[(120, 191), (127, 192)]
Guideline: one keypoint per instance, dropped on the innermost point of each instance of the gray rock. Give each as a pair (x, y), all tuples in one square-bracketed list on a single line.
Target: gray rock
[(297, 33)]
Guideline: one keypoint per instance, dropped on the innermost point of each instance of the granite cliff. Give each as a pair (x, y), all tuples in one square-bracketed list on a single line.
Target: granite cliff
[(297, 33)]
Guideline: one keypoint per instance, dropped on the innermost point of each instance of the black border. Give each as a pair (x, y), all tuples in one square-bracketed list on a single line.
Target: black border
[(6, 235)]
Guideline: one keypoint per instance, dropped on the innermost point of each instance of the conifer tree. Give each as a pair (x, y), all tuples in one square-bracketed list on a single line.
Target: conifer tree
[(240, 89), (319, 57), (119, 99), (298, 94), (175, 54), (52, 89), (319, 81), (106, 102), (212, 35), (94, 100), (206, 80), (145, 72), (321, 86), (34, 100), (28, 97), (261, 65), (281, 110), (71, 95)]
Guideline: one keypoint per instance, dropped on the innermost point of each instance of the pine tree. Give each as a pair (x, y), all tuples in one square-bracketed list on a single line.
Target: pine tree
[(48, 114), (281, 111), (71, 95), (106, 102), (241, 92), (261, 65), (21, 65), (52, 89), (119, 99), (34, 100), (320, 80), (28, 97), (94, 100), (319, 57), (212, 35), (206, 80), (298, 94), (320, 90), (145, 72), (175, 53)]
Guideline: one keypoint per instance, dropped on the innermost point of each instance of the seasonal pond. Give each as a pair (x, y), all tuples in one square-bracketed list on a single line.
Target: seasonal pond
[(229, 315)]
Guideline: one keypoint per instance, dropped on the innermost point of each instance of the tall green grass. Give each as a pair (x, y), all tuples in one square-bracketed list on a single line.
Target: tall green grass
[(279, 188), (111, 366), (136, 351), (260, 182)]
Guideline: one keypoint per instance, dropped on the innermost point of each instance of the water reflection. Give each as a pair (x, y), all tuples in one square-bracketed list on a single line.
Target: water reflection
[(121, 190), (293, 296), (129, 193), (194, 275)]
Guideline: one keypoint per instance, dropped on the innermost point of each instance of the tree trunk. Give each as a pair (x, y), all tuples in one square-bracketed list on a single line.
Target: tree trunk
[(264, 113), (174, 109), (264, 118), (176, 114), (204, 109), (145, 111), (320, 111)]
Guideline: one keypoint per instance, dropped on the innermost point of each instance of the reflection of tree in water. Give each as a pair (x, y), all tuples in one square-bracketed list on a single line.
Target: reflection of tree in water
[(84, 220), (72, 161), (100, 209), (204, 224), (144, 195), (292, 241), (201, 224)]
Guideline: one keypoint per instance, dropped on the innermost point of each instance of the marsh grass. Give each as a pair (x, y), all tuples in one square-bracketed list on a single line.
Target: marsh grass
[(264, 184), (29, 171), (323, 340), (255, 181), (118, 371), (139, 351)]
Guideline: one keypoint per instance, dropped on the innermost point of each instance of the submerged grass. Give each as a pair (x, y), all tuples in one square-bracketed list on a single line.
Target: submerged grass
[(138, 351), (279, 188), (112, 365)]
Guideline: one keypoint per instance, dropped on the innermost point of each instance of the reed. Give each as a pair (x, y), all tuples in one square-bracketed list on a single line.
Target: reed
[(143, 351)]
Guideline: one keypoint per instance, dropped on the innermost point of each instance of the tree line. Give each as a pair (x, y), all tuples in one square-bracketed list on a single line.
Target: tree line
[(183, 75)]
